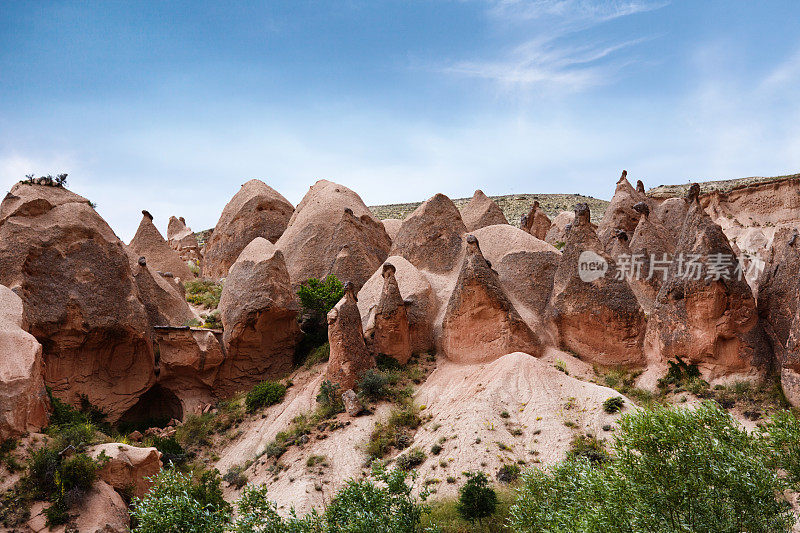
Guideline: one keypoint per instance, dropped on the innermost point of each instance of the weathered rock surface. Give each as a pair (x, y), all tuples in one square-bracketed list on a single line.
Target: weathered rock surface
[(333, 232), (558, 228), (80, 297), (352, 405), (392, 226), (102, 510), (127, 467), (181, 239), (391, 335), (481, 211), (420, 301), (23, 399), (670, 214), (536, 222), (620, 213), (480, 323), (707, 321), (163, 301), (652, 248), (259, 316), (349, 357), (150, 244), (257, 210), (599, 319), (432, 237)]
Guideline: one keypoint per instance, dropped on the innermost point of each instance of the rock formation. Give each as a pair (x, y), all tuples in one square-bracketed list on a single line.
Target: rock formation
[(391, 334), (558, 228), (620, 213), (257, 210), (127, 467), (259, 316), (480, 323), (536, 222), (670, 214), (392, 226), (420, 301), (80, 297), (333, 232), (652, 248), (102, 510), (181, 239), (599, 319), (161, 296), (23, 399), (481, 211), (710, 321), (431, 238), (349, 357), (149, 243)]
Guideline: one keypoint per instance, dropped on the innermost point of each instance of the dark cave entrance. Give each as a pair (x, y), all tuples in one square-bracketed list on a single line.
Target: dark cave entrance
[(155, 408)]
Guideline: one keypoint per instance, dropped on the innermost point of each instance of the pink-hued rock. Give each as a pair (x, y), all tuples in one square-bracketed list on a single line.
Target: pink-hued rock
[(24, 404), (651, 245), (257, 210), (480, 323), (432, 237), (349, 357), (150, 244), (102, 510), (333, 232), (392, 226), (127, 467), (620, 213), (80, 297), (163, 300), (391, 335), (558, 228), (181, 239), (670, 214), (777, 290), (259, 317), (481, 211), (536, 222)]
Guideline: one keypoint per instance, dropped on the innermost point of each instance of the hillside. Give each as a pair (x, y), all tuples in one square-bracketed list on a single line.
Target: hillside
[(668, 191)]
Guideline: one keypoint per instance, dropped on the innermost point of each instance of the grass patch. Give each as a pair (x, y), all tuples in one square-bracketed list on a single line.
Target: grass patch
[(264, 394), (394, 432), (204, 292), (444, 515)]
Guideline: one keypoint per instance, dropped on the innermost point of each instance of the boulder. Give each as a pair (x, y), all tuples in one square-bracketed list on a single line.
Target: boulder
[(80, 297), (127, 467), (432, 237), (259, 317), (652, 248), (181, 238), (536, 222), (391, 335), (257, 210), (102, 510), (480, 323), (558, 228), (352, 405), (392, 226), (24, 404), (777, 290), (596, 314), (481, 211), (620, 213), (349, 357), (709, 321), (164, 302), (420, 301), (149, 243), (333, 232)]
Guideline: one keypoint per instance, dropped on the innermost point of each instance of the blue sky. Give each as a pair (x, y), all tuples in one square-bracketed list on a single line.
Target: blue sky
[(170, 106)]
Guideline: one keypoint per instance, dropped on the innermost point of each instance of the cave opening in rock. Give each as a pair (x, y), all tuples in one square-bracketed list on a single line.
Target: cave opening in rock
[(155, 408)]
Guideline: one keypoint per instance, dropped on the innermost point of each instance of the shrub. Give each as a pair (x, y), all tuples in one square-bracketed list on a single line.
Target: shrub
[(42, 467), (256, 514), (77, 472), (507, 473), (588, 447), (411, 459), (318, 297), (235, 477), (264, 394), (212, 320), (195, 430), (613, 404), (171, 450), (205, 292), (476, 500), (372, 384), (318, 355), (393, 432), (561, 366), (436, 449), (782, 436)]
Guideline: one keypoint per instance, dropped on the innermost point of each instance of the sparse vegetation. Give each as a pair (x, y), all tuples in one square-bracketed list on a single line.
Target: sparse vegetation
[(561, 366), (317, 298), (204, 292), (411, 459), (264, 394), (508, 473), (394, 432), (588, 447), (613, 404)]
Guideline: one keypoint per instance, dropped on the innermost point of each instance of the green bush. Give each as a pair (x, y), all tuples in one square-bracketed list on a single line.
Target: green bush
[(372, 385), (42, 467), (411, 459), (255, 513), (613, 404), (507, 473), (782, 437), (77, 472), (693, 470), (235, 477), (589, 447), (318, 297), (476, 499), (264, 394), (205, 292)]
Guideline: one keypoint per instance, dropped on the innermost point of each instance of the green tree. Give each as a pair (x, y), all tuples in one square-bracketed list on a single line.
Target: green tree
[(476, 500)]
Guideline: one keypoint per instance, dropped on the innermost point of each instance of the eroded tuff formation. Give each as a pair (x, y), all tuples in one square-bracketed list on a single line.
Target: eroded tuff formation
[(480, 323), (181, 238), (80, 297), (481, 211), (150, 244), (349, 357), (259, 316), (391, 334), (257, 210), (333, 232), (620, 214), (536, 222), (557, 234), (599, 319), (651, 247)]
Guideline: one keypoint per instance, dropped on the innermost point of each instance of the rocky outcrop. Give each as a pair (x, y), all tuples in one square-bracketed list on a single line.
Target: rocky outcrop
[(164, 302), (420, 301), (80, 297), (391, 335), (480, 323), (333, 232), (557, 234), (126, 468), (596, 314), (257, 210), (481, 211), (349, 357), (620, 213), (392, 226), (149, 243), (652, 249), (259, 317), (670, 214), (777, 290), (432, 237), (23, 398), (181, 238), (699, 315), (536, 222), (102, 510)]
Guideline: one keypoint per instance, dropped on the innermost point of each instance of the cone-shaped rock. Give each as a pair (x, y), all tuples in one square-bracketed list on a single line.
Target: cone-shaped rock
[(432, 237), (23, 398), (257, 210), (391, 335), (481, 211), (164, 302), (536, 222), (80, 297), (333, 232), (349, 357), (150, 244), (620, 213), (480, 323), (596, 314), (670, 214), (558, 228), (392, 226), (652, 248), (181, 239), (259, 317), (777, 290), (709, 321)]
